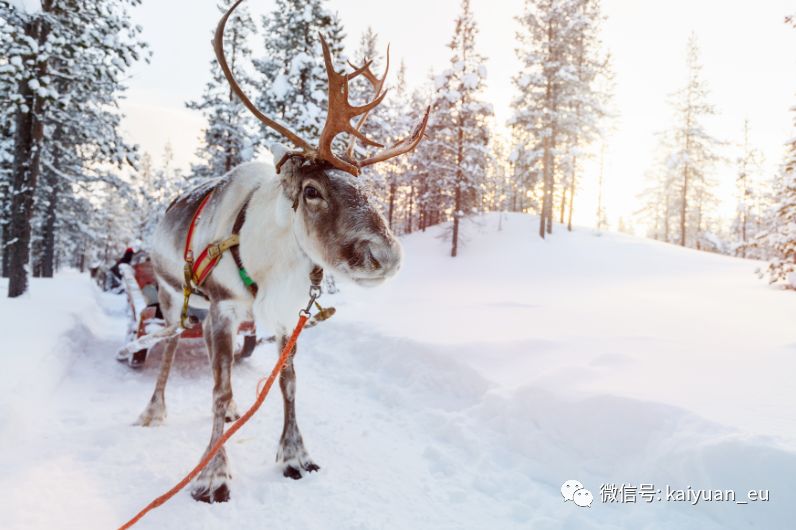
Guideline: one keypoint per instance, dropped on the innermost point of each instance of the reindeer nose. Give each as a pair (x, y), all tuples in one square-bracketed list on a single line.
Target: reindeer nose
[(374, 263), (385, 256)]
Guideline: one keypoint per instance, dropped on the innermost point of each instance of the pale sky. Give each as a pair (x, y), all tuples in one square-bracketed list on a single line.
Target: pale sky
[(748, 55)]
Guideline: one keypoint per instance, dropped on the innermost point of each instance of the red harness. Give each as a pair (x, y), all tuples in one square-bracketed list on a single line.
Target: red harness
[(201, 268), (196, 271)]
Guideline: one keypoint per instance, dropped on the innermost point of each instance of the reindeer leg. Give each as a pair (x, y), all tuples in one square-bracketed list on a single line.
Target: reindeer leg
[(155, 412), (212, 483), (292, 455)]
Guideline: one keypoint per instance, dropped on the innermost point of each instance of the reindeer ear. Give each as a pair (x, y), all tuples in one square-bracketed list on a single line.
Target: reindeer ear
[(279, 151), (288, 174)]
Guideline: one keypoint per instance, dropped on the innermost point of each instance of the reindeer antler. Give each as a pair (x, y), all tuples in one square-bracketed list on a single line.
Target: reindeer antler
[(218, 46), (402, 146), (339, 114), (378, 85)]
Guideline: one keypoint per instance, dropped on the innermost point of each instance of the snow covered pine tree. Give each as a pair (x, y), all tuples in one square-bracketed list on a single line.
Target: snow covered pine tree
[(67, 62), (558, 103), (232, 134), (376, 126), (292, 66), (780, 237), (461, 123)]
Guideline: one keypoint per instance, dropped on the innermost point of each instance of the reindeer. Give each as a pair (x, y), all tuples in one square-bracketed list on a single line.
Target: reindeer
[(292, 220)]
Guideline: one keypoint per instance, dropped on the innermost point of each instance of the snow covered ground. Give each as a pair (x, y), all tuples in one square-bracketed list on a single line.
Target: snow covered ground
[(460, 395)]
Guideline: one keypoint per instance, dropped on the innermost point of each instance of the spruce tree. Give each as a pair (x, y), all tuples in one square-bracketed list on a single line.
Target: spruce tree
[(422, 165), (659, 199), (780, 237), (461, 129), (542, 117), (679, 200), (399, 117), (499, 185), (376, 126), (9, 72), (361, 91), (156, 186), (593, 89), (694, 151), (747, 215), (231, 135), (292, 69), (559, 103)]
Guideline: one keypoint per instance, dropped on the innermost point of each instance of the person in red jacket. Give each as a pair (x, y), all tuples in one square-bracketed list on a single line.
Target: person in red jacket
[(116, 278)]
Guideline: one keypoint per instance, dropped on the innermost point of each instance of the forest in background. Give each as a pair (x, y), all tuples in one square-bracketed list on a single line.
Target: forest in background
[(73, 192)]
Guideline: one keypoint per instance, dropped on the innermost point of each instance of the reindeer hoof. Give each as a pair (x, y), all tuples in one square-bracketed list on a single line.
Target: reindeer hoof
[(205, 494), (311, 466), (148, 422), (232, 413), (153, 415), (293, 471)]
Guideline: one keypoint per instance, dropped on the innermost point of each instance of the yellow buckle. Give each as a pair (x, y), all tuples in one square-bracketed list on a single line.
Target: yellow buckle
[(213, 251)]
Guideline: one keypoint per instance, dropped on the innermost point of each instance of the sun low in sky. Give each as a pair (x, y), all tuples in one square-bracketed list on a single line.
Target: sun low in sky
[(746, 52)]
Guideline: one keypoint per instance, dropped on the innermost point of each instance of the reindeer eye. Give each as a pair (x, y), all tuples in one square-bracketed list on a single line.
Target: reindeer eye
[(310, 192)]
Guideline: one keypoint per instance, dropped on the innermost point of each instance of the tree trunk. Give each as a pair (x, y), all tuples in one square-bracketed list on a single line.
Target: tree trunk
[(601, 190), (545, 218), (23, 184), (571, 193), (457, 201), (457, 198), (743, 232), (46, 253), (456, 206), (684, 195), (5, 216), (409, 210), (550, 97), (27, 158), (545, 190), (391, 202), (547, 148), (6, 235), (683, 204), (47, 258), (35, 258)]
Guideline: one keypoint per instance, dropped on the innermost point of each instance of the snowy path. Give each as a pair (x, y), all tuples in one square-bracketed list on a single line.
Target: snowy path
[(459, 396)]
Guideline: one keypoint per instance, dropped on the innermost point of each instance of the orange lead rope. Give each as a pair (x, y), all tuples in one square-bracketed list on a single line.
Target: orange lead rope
[(304, 315)]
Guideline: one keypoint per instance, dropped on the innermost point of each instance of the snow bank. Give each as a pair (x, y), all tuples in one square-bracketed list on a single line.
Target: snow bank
[(39, 342)]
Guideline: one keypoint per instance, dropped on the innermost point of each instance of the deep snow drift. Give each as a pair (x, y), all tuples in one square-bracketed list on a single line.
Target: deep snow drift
[(460, 395)]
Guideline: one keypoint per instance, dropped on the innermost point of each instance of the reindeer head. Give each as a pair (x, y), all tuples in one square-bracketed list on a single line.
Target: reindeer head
[(335, 221)]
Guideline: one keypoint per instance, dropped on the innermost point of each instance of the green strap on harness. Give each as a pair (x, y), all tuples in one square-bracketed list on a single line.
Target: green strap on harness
[(247, 281)]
